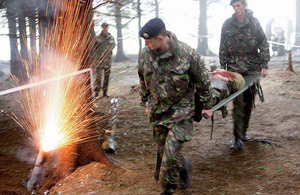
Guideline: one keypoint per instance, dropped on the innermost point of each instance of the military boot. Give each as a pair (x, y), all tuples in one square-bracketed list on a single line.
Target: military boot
[(245, 137), (105, 94), (237, 145), (184, 175), (169, 189)]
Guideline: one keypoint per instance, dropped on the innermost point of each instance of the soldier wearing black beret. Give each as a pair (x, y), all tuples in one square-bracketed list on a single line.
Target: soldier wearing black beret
[(152, 28), (170, 71)]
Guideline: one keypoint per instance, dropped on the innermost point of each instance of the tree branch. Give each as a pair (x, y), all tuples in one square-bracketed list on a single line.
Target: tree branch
[(106, 2)]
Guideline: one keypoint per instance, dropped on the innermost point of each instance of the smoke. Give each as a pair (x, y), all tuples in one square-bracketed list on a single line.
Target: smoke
[(28, 151), (26, 154)]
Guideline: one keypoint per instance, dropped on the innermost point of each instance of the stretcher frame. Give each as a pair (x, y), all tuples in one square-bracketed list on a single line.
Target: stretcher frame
[(249, 81)]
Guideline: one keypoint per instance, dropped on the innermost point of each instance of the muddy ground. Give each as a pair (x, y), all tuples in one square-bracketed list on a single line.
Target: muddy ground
[(261, 168)]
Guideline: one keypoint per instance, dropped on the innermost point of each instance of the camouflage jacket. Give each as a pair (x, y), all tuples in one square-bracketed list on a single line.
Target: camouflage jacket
[(168, 82), (104, 46), (244, 47)]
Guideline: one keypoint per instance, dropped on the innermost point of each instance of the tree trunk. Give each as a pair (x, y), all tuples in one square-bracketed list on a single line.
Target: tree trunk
[(269, 29), (45, 18), (156, 8), (120, 56), (56, 165), (42, 25), (32, 16), (290, 62), (23, 56), (12, 25), (290, 30), (202, 29), (139, 24), (297, 38)]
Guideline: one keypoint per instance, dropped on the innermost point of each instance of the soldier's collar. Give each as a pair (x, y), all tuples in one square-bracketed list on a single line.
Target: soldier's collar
[(247, 18), (172, 49), (167, 54)]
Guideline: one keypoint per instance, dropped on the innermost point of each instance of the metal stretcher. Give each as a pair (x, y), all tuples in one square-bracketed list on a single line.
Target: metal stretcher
[(249, 81)]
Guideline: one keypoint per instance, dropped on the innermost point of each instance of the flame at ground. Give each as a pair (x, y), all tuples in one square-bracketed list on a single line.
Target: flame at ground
[(58, 113), (52, 134)]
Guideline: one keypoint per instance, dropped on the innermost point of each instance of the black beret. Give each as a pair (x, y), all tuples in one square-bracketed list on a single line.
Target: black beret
[(152, 28), (233, 1), (104, 25)]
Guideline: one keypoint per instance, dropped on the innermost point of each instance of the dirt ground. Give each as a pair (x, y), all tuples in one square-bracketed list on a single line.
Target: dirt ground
[(261, 168)]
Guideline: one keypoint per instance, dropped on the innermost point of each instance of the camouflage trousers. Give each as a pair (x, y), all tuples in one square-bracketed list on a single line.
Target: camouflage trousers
[(242, 108), (98, 81), (169, 149)]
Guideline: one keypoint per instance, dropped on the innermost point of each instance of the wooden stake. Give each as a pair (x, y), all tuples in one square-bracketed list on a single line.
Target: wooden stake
[(290, 63)]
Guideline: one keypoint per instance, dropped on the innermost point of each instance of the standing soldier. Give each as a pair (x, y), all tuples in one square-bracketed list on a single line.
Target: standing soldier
[(170, 72), (104, 46), (243, 49)]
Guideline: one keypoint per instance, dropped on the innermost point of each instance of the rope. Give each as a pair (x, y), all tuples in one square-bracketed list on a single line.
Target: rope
[(15, 89), (277, 43)]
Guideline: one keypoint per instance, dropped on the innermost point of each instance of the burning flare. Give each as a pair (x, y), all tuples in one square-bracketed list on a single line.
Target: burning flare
[(59, 112)]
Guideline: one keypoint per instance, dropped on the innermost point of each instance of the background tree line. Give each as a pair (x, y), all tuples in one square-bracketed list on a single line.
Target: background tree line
[(28, 21)]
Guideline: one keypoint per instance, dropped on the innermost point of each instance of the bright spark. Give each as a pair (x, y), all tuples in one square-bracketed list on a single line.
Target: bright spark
[(60, 112)]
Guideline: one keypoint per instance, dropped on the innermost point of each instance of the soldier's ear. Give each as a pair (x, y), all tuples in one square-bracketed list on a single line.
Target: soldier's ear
[(160, 37)]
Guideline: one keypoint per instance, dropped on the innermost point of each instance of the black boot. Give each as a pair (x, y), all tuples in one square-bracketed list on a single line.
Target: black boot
[(169, 189), (105, 94), (184, 175), (245, 138), (237, 145)]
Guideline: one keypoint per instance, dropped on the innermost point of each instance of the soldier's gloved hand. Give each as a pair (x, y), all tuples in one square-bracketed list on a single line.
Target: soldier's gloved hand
[(146, 110)]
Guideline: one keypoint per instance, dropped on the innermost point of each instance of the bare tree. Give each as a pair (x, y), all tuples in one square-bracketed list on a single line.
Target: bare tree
[(268, 30), (156, 8), (290, 62), (297, 38), (32, 21), (139, 23), (202, 29), (120, 56), (23, 55), (202, 47), (12, 26)]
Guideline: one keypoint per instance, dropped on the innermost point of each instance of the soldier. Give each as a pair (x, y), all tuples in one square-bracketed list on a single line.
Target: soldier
[(170, 71), (243, 49), (104, 46)]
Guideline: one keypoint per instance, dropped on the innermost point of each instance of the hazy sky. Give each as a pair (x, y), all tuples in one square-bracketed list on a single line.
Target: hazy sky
[(181, 17)]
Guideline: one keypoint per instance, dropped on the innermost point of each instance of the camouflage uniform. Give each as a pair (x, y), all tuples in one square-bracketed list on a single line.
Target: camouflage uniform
[(104, 46), (243, 49), (167, 84)]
